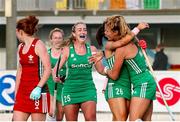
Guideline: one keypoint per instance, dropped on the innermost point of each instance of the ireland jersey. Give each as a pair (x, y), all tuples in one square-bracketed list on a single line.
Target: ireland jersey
[(144, 85), (79, 86), (120, 87)]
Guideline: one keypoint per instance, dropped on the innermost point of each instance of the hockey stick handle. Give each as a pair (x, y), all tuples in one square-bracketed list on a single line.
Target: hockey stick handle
[(106, 80), (54, 102), (105, 85), (55, 89), (159, 88), (57, 71), (58, 63)]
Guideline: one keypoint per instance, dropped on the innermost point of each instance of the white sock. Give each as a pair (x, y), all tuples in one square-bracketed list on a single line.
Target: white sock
[(138, 120), (50, 118)]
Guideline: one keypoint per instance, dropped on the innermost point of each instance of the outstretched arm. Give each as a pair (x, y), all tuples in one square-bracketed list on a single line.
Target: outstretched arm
[(110, 45)]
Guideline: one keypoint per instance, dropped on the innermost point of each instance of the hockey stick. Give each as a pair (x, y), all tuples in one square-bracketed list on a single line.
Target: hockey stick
[(105, 85), (159, 88), (55, 91)]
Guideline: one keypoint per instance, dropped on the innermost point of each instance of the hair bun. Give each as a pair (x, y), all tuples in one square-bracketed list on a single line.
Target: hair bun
[(33, 20)]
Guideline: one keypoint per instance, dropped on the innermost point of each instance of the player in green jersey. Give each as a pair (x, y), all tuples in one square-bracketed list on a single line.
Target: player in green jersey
[(79, 90), (56, 37)]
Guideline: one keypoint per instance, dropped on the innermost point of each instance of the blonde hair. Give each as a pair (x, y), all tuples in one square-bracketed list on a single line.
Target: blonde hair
[(64, 43), (56, 30), (71, 37), (78, 23), (118, 23)]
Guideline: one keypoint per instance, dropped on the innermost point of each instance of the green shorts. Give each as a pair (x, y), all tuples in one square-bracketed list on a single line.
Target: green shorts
[(116, 91), (51, 86), (145, 90), (78, 97)]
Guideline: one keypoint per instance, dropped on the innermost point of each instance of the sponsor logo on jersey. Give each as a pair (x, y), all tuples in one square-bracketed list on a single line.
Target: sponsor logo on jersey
[(81, 65)]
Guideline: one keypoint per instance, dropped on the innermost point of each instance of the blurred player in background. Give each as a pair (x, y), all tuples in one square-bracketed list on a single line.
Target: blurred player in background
[(56, 37)]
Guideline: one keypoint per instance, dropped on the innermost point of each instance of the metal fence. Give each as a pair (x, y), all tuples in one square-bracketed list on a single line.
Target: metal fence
[(26, 5)]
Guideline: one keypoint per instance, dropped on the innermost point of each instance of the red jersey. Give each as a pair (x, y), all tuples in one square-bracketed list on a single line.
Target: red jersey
[(30, 77)]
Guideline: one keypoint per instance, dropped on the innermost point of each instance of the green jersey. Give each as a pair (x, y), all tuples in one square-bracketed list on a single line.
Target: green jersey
[(144, 85), (120, 87), (50, 82), (79, 86)]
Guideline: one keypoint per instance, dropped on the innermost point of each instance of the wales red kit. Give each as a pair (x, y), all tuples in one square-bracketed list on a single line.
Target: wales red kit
[(30, 77)]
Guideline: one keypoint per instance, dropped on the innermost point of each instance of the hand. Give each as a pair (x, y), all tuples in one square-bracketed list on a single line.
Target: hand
[(142, 25), (96, 57), (57, 79), (142, 43), (36, 93), (62, 78)]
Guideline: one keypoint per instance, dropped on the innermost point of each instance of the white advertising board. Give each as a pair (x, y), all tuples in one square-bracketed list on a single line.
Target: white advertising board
[(7, 87), (168, 80)]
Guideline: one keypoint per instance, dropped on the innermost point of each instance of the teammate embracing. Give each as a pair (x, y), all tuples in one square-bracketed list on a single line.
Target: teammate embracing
[(144, 86), (118, 88)]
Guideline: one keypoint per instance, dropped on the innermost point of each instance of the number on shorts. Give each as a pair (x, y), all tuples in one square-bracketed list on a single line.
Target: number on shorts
[(119, 91), (67, 98)]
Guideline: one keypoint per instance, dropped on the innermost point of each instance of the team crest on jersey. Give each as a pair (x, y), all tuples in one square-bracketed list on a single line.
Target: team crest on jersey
[(30, 59), (72, 55)]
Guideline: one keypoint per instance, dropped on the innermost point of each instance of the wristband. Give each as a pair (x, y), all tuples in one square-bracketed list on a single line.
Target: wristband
[(104, 62), (135, 31), (105, 70)]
